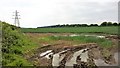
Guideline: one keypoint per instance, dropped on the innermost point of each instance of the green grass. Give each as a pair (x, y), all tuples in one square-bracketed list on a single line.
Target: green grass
[(107, 30), (102, 42), (15, 45), (15, 60)]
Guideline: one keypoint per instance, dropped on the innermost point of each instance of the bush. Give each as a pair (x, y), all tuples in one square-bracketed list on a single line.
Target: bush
[(16, 51), (19, 63), (13, 41)]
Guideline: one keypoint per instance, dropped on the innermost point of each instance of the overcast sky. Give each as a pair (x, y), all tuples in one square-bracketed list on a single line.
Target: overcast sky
[(35, 13)]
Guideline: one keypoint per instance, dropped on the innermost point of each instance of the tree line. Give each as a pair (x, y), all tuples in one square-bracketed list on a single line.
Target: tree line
[(83, 25)]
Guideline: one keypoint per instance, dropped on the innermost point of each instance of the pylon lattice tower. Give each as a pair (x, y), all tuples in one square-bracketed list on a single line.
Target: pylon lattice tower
[(16, 19)]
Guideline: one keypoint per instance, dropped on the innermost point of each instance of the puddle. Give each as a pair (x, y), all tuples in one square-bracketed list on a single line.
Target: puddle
[(45, 53), (63, 51), (83, 57), (72, 35), (57, 58), (83, 54), (116, 58), (101, 62), (48, 56), (98, 36), (101, 36)]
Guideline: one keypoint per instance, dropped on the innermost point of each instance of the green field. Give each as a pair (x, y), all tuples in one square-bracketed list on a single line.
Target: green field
[(106, 29)]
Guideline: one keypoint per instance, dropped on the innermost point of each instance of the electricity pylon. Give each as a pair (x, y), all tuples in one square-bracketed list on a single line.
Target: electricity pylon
[(16, 19)]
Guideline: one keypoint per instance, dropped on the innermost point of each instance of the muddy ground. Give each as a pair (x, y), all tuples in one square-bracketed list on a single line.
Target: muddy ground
[(66, 49)]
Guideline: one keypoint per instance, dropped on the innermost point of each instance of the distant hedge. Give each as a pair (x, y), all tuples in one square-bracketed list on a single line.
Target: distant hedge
[(82, 25)]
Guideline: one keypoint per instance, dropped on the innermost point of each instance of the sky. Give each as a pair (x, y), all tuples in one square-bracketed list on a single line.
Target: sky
[(36, 13)]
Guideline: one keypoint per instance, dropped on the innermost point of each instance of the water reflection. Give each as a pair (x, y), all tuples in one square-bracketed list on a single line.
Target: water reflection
[(83, 53)]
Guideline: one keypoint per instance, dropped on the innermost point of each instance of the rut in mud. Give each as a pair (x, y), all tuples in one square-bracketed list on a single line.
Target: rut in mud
[(87, 55)]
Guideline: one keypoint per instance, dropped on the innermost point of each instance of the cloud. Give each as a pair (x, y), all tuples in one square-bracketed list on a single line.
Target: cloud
[(36, 13)]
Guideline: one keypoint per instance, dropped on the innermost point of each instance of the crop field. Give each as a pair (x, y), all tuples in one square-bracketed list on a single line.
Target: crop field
[(107, 30)]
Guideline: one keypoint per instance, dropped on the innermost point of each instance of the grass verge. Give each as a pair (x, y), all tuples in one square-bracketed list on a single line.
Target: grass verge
[(85, 39)]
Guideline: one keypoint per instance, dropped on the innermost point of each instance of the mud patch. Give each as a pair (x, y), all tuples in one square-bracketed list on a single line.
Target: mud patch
[(65, 53)]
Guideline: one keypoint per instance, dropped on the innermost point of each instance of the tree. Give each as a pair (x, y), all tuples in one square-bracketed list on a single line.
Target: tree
[(115, 24), (84, 25), (109, 24), (119, 24), (104, 24), (67, 25), (93, 24)]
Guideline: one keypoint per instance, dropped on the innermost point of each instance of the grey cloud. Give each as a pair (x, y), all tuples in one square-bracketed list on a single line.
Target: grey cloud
[(93, 12)]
